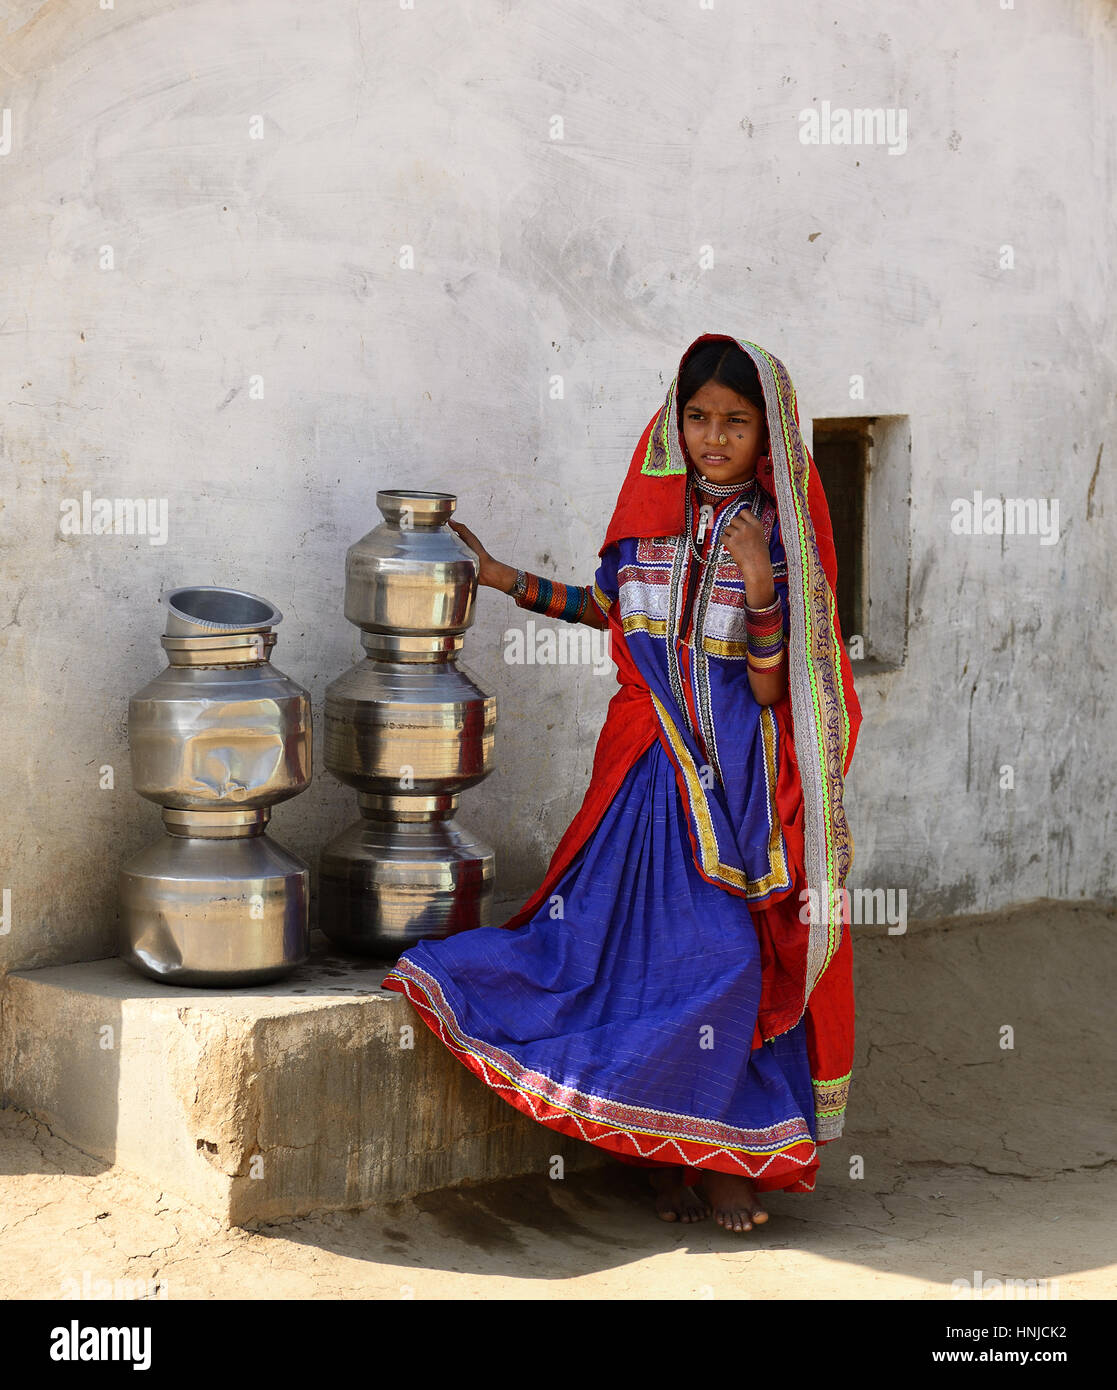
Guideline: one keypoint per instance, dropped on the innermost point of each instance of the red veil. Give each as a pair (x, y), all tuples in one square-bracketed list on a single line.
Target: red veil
[(806, 954)]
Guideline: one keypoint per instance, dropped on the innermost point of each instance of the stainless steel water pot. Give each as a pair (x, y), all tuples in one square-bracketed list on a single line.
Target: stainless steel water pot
[(215, 902), (406, 871), (219, 727), (411, 574), (217, 739), (411, 714)]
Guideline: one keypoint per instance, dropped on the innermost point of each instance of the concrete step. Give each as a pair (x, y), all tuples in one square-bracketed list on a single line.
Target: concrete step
[(258, 1104)]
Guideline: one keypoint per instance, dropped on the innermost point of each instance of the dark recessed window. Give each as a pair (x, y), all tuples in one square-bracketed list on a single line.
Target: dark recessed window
[(841, 454), (865, 466)]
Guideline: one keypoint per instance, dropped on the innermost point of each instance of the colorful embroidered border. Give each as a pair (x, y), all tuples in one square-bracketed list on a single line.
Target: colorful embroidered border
[(643, 1132), (818, 709), (699, 673), (662, 458), (830, 1101), (712, 867)]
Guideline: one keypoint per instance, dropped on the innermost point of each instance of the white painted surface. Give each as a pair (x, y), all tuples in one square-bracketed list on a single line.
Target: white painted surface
[(279, 257)]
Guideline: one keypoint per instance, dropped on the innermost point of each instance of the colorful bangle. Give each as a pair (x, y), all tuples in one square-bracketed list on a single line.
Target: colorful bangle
[(568, 602), (764, 636)]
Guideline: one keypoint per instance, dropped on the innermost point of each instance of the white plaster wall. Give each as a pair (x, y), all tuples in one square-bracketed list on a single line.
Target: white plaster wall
[(430, 126)]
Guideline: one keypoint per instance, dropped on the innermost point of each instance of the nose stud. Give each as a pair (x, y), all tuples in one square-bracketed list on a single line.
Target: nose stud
[(722, 439)]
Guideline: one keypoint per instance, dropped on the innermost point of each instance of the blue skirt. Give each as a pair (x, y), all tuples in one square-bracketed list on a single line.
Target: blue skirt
[(624, 1011)]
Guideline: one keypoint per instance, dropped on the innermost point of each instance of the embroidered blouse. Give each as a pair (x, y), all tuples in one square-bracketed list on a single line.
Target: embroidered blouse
[(571, 602)]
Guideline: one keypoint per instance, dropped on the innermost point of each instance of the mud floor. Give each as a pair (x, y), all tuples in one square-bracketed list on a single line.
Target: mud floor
[(961, 1156)]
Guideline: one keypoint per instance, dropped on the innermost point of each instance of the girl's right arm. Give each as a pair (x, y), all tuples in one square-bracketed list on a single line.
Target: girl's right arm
[(568, 602)]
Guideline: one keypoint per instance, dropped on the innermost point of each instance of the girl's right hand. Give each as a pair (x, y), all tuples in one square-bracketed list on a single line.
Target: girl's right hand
[(493, 573)]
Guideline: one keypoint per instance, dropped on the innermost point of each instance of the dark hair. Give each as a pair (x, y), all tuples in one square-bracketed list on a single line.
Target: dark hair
[(728, 365)]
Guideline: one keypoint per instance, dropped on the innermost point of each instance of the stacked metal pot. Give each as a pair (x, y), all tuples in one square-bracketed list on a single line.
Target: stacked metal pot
[(409, 728), (216, 740)]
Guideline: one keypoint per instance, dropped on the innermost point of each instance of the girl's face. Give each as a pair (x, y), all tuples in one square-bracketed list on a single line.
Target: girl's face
[(715, 412)]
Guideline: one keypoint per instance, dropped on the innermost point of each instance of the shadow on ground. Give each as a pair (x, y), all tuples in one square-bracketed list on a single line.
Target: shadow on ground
[(980, 1135)]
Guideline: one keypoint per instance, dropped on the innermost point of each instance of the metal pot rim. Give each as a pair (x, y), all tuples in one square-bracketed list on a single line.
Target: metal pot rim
[(223, 649), (416, 646), (182, 623), (216, 825), (419, 494), (431, 508)]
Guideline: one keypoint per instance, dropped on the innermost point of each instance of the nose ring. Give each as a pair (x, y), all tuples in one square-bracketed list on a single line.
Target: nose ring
[(722, 439)]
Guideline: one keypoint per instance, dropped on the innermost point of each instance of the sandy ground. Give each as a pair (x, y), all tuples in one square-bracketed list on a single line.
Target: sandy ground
[(974, 1159), (592, 1235)]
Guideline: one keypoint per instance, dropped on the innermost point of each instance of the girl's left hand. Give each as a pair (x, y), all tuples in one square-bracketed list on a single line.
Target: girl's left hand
[(744, 538)]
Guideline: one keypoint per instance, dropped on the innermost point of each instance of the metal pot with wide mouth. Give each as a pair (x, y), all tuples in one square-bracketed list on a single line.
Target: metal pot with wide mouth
[(404, 873), (220, 727), (215, 902), (217, 739), (411, 574), (207, 610), (410, 716)]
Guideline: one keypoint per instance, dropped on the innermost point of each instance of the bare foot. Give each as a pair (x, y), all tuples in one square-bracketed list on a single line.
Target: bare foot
[(736, 1206), (674, 1200)]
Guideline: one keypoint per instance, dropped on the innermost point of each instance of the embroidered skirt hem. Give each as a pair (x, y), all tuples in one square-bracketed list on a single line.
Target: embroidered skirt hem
[(792, 1167)]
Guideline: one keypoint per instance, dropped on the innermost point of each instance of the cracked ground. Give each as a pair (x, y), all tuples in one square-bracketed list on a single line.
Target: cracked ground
[(961, 1154)]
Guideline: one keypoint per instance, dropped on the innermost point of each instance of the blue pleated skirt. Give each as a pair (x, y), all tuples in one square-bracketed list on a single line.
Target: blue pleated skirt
[(624, 1011)]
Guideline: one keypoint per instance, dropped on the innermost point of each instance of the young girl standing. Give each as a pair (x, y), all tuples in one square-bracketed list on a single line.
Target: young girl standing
[(678, 990)]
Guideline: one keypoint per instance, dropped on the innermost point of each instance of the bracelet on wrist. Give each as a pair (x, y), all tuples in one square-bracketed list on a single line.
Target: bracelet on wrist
[(567, 602), (768, 608), (764, 636)]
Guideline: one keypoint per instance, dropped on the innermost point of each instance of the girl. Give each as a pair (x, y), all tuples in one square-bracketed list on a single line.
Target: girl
[(678, 990)]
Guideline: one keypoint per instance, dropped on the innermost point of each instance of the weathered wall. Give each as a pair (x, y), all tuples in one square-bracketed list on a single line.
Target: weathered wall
[(279, 258)]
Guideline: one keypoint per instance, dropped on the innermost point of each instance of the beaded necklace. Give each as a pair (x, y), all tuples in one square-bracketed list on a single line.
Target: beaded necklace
[(747, 490)]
